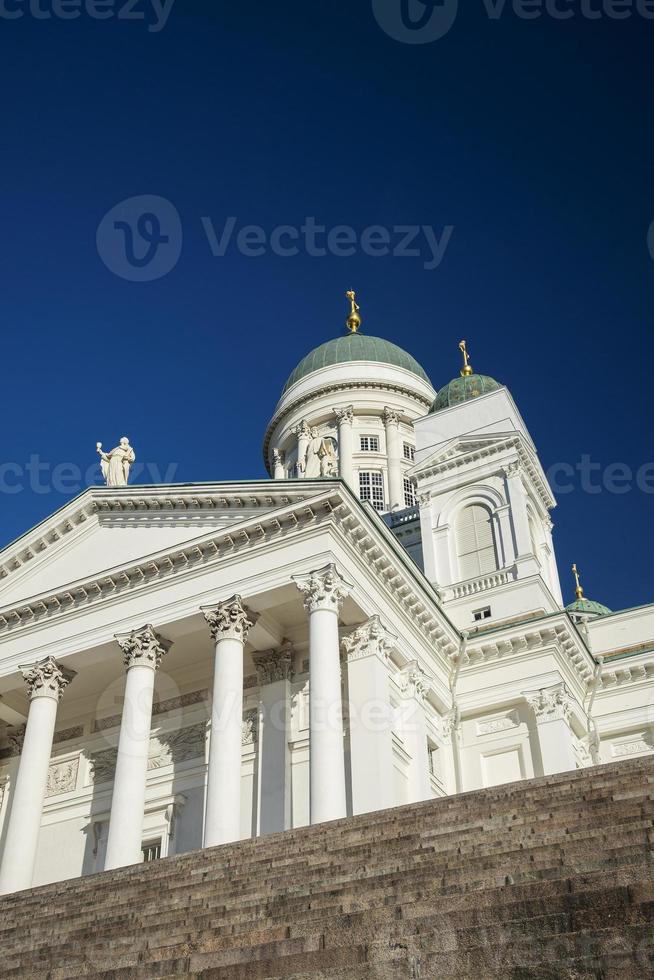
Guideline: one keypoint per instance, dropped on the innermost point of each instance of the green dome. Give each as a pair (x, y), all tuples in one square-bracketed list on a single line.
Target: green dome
[(355, 347), (588, 607), (463, 389)]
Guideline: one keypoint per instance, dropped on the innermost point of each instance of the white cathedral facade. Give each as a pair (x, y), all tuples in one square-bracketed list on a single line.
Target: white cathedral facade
[(379, 622)]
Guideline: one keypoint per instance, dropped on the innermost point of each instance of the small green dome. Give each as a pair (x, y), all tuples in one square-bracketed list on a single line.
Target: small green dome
[(463, 389), (588, 607), (355, 347)]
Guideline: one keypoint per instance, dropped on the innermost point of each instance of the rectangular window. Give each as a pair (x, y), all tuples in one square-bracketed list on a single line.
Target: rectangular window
[(151, 851), (409, 493), (369, 444), (409, 452), (371, 488), (479, 615)]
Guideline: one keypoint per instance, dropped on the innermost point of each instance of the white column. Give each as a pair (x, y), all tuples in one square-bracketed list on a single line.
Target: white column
[(143, 650), (345, 417), (414, 686), (517, 498), (274, 671), (371, 740), (230, 622), (324, 592), (450, 730), (394, 453), (552, 707), (279, 472), (46, 682), (303, 433)]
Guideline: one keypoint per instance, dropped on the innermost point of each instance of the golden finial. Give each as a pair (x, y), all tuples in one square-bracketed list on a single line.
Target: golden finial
[(579, 591), (466, 370), (353, 322)]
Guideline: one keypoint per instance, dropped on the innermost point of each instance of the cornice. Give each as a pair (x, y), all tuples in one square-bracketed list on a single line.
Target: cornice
[(618, 673), (532, 637), (209, 547), (133, 504), (463, 451), (334, 388), (375, 545)]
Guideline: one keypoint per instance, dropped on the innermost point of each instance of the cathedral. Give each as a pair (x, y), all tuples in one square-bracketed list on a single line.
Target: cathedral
[(378, 622)]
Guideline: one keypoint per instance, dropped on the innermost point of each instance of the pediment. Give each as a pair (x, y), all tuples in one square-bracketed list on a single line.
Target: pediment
[(465, 445), (104, 530)]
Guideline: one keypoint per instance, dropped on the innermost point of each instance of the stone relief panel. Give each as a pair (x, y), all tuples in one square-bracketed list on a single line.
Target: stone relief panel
[(166, 749), (250, 723), (62, 777), (494, 726), (636, 744)]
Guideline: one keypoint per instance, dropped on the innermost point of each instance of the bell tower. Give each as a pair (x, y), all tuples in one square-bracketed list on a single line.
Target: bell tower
[(484, 504)]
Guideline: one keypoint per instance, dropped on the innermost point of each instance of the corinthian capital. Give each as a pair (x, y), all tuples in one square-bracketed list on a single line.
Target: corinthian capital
[(325, 589), (550, 703), (371, 639), (413, 681), (345, 414), (230, 620), (302, 429), (46, 679), (143, 647), (274, 665), (391, 416)]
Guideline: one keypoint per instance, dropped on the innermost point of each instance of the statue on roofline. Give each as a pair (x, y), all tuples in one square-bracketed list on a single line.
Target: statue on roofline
[(115, 465)]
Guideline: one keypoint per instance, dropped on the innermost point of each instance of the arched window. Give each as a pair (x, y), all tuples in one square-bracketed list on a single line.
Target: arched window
[(475, 542)]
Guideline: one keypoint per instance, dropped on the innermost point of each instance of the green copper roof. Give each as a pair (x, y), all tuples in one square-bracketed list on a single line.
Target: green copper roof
[(589, 607), (355, 347), (463, 389)]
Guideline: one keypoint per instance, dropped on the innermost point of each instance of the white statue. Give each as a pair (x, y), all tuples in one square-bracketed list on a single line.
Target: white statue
[(115, 465), (329, 461), (320, 459)]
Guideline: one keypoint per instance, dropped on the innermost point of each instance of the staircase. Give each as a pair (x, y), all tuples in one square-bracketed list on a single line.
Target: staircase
[(550, 878)]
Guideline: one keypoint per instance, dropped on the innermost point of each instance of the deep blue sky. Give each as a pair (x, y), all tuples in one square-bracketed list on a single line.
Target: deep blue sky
[(532, 138)]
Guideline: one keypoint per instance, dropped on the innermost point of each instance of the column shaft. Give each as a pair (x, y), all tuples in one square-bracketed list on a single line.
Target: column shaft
[(275, 670), (46, 682), (128, 801), (556, 749), (552, 707), (327, 775), (414, 686), (394, 453), (345, 418), (230, 623), (371, 739), (223, 819), (324, 592), (28, 798)]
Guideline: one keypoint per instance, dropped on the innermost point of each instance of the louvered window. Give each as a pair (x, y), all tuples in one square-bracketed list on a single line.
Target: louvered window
[(475, 542)]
